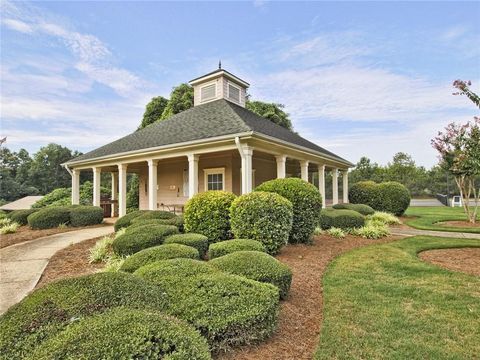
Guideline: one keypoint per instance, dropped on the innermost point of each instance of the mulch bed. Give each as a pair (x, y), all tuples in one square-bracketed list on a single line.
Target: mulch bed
[(301, 314), (456, 223), (466, 260), (70, 262)]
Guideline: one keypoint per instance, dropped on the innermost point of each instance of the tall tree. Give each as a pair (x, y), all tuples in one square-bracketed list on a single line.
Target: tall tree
[(153, 111), (181, 99), (271, 111)]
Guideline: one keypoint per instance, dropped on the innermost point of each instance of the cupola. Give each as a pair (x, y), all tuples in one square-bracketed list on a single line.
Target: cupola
[(219, 84)]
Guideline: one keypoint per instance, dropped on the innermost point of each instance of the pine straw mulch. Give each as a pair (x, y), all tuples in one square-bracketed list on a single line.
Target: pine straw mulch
[(301, 313), (456, 223), (466, 260)]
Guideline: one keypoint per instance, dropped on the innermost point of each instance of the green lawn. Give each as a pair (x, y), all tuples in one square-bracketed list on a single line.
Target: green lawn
[(382, 302), (426, 218)]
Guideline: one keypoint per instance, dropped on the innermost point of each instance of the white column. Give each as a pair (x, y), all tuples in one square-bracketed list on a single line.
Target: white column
[(335, 185), (97, 172), (247, 173), (321, 183), (345, 186), (192, 175), (114, 192), (304, 169), (75, 187), (152, 184), (122, 189), (281, 163)]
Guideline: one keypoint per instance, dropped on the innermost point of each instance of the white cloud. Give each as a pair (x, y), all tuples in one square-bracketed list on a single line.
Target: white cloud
[(17, 25), (454, 32)]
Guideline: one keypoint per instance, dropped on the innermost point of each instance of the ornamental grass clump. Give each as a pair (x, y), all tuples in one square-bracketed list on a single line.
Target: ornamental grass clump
[(257, 266), (229, 246), (336, 233), (372, 230), (197, 241), (124, 333), (101, 250), (384, 218), (9, 228), (142, 237)]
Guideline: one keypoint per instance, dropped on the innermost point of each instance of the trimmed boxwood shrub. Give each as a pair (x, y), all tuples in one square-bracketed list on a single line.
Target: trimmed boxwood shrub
[(257, 266), (361, 208), (20, 216), (390, 196), (229, 246), (228, 310), (126, 220), (208, 213), (155, 214), (343, 219), (157, 253), (50, 217), (48, 310), (262, 216), (198, 241), (180, 267), (86, 215), (306, 201), (124, 333), (142, 237)]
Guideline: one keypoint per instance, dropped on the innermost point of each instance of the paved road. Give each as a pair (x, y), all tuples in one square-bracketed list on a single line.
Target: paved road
[(22, 265), (448, 234)]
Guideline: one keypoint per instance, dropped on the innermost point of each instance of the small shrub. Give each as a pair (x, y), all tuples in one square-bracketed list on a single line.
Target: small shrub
[(86, 215), (262, 216), (155, 214), (343, 219), (318, 231), (208, 213), (126, 220), (50, 217), (361, 208), (20, 216), (50, 309), (124, 333), (336, 233), (372, 231), (385, 218), (306, 201), (141, 238), (5, 221), (9, 228), (229, 246), (257, 266), (177, 268), (157, 253), (113, 263), (197, 241), (101, 250)]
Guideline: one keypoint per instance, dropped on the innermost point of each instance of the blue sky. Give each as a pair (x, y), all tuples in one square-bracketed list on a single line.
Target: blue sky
[(359, 78)]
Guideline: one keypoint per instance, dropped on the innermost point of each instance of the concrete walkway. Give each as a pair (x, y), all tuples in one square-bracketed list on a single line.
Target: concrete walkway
[(22, 265), (447, 234)]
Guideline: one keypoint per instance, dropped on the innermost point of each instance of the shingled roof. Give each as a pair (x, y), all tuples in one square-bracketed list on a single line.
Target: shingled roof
[(209, 120)]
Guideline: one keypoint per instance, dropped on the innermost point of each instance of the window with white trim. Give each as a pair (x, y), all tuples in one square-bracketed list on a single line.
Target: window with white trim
[(208, 92), (234, 93), (214, 179)]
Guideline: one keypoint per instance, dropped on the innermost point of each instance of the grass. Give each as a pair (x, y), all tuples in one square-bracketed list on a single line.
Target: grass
[(427, 218), (382, 302)]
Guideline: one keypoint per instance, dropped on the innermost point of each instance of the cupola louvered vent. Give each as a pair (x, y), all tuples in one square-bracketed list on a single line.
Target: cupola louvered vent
[(208, 92), (234, 93)]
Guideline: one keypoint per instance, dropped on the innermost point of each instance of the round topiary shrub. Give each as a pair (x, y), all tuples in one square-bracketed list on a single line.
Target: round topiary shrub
[(178, 268), (126, 220), (208, 213), (306, 201), (50, 217), (228, 310), (343, 219), (229, 246), (124, 333), (257, 266), (142, 237), (361, 208), (86, 215), (48, 310), (198, 241), (157, 253), (20, 216), (262, 216), (390, 196)]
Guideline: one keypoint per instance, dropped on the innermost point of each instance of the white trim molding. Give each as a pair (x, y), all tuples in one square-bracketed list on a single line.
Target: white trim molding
[(213, 171)]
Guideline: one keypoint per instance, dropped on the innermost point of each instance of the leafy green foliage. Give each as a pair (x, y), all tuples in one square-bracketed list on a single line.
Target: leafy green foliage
[(208, 213), (306, 201), (361, 208), (62, 196), (157, 253), (257, 266), (20, 216), (372, 230), (85, 215), (342, 219), (153, 111), (181, 99), (50, 309), (197, 241), (271, 111), (9, 227), (100, 251), (126, 220), (336, 232), (383, 217), (154, 215), (229, 246), (263, 216), (50, 217), (176, 268), (124, 333)]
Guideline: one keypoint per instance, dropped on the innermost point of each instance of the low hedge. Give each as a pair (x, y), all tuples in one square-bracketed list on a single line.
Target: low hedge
[(197, 241), (155, 214), (306, 201), (157, 253), (86, 215), (361, 208), (343, 219), (180, 267), (228, 310), (262, 216), (50, 217), (124, 333), (126, 220), (48, 310), (20, 216), (142, 237), (257, 266), (229, 246), (208, 213)]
